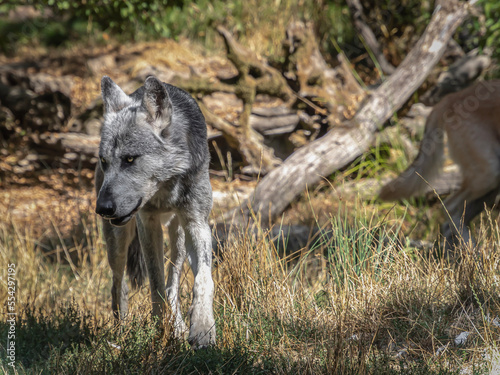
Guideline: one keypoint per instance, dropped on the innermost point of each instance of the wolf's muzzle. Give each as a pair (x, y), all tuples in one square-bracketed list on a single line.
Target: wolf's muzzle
[(119, 221), (105, 208)]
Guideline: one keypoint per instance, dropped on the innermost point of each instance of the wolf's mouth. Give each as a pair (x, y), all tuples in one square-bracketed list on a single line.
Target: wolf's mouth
[(120, 221)]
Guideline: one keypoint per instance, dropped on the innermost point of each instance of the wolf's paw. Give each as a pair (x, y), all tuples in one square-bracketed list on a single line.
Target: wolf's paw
[(202, 335), (180, 330)]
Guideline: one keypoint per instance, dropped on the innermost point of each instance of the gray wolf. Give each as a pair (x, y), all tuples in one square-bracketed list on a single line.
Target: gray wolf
[(153, 169), (471, 120)]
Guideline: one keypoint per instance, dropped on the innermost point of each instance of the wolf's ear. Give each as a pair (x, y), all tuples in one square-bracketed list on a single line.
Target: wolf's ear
[(113, 96), (157, 103)]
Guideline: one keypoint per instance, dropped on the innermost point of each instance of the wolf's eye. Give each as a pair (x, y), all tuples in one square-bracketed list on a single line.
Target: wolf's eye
[(129, 159), (103, 161)]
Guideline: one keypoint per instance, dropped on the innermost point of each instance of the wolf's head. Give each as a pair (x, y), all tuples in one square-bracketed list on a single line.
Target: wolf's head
[(136, 152)]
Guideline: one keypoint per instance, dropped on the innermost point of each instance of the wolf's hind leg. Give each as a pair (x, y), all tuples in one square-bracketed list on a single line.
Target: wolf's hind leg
[(177, 255), (199, 251), (118, 239)]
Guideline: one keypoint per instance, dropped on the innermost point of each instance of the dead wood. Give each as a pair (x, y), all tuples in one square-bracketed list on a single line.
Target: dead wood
[(36, 112), (341, 145), (332, 93), (368, 36), (254, 77), (60, 144), (202, 86), (274, 120), (334, 89), (264, 78)]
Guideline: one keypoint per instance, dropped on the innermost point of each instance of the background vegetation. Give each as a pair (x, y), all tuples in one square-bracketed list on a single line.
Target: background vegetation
[(358, 302), (394, 23), (361, 299)]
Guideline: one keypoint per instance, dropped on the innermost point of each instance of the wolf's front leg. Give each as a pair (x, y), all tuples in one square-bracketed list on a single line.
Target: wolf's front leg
[(118, 240), (177, 257), (199, 250), (151, 239)]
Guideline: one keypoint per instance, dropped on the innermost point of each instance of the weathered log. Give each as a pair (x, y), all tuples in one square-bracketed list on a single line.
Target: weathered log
[(341, 145), (75, 151), (58, 144), (273, 120), (203, 86), (336, 87)]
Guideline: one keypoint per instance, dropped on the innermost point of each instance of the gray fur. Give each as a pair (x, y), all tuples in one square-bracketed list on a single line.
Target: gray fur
[(136, 267), (153, 165)]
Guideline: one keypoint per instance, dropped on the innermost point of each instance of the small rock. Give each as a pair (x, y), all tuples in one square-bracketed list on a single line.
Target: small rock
[(441, 350), (461, 339), (402, 353)]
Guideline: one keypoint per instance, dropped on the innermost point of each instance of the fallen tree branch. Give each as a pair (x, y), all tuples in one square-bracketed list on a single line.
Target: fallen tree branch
[(332, 92), (249, 143), (368, 36), (344, 144), (252, 74), (267, 80)]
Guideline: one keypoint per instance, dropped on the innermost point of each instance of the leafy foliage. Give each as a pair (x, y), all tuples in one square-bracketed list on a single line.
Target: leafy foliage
[(396, 24), (129, 16), (483, 32), (492, 24)]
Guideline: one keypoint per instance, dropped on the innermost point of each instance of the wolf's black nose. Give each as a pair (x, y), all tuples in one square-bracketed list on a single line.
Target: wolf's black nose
[(105, 207)]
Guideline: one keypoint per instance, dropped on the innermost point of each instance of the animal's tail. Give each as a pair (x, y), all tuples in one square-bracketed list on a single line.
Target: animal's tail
[(425, 166), (136, 266)]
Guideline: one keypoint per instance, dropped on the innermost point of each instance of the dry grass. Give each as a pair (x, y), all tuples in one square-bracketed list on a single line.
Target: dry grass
[(359, 301)]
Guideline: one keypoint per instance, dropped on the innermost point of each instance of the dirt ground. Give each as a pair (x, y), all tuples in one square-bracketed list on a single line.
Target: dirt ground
[(59, 198), (42, 208)]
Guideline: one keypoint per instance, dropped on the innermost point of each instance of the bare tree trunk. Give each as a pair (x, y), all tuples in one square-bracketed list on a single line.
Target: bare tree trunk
[(343, 144)]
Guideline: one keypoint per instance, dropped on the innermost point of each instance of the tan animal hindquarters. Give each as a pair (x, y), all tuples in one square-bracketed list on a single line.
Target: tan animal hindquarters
[(471, 120)]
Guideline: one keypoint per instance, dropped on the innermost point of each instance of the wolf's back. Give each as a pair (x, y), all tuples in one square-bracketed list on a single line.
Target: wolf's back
[(193, 124), (425, 166)]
